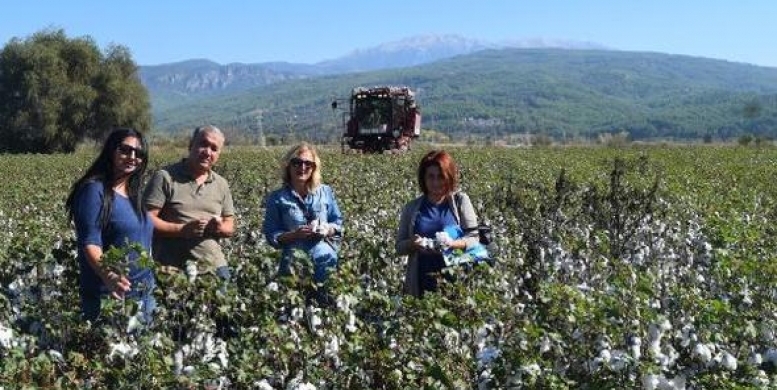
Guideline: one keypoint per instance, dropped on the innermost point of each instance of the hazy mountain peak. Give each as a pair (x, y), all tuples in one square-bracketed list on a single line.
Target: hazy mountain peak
[(420, 42), (540, 42)]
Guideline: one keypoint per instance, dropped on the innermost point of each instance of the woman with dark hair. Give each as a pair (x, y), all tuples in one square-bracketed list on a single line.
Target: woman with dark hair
[(105, 206), (303, 214), (423, 219)]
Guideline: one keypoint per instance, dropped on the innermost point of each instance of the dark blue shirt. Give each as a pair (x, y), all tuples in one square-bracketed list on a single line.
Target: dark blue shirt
[(431, 218), (124, 226)]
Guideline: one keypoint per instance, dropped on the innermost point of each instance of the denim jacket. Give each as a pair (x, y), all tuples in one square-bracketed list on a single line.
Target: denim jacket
[(286, 211)]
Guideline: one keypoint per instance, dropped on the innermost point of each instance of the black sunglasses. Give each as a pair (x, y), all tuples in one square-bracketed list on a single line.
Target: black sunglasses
[(127, 150), (298, 162)]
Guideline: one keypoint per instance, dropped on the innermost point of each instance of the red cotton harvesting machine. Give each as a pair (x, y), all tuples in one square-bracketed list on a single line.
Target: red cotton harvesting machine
[(381, 119)]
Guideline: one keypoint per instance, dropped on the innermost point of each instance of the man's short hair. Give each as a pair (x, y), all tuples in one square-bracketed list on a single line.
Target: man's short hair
[(200, 130)]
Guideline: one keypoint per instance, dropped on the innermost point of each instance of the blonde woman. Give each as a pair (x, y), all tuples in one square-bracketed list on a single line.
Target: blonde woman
[(303, 214)]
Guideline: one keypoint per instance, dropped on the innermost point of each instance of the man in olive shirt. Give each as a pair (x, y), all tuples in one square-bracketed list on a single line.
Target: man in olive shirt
[(191, 207)]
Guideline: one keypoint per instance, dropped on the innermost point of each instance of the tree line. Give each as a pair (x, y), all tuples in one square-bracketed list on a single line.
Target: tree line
[(56, 91)]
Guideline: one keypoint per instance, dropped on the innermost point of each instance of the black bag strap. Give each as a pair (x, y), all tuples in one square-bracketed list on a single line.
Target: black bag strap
[(484, 231)]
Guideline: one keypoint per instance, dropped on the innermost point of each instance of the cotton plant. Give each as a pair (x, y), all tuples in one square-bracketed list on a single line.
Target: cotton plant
[(204, 349), (660, 382), (6, 337), (123, 349)]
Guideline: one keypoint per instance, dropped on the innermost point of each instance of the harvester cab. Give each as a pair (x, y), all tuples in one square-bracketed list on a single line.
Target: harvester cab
[(380, 119)]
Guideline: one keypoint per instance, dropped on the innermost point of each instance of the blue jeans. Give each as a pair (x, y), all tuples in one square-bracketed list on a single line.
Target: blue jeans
[(324, 258), (142, 291), (224, 273)]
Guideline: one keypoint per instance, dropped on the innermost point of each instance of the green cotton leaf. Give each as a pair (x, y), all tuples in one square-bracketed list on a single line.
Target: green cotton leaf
[(450, 319), (437, 372), (168, 360)]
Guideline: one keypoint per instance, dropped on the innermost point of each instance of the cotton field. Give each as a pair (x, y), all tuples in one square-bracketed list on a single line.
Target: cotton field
[(643, 268)]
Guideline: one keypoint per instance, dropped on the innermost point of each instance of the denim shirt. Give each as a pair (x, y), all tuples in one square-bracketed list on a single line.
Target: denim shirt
[(286, 211)]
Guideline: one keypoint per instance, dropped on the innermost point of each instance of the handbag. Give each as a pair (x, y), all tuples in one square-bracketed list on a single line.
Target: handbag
[(484, 231), (484, 234)]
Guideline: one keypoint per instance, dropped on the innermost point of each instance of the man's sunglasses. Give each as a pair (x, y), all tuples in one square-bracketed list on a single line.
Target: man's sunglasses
[(127, 150), (298, 162)]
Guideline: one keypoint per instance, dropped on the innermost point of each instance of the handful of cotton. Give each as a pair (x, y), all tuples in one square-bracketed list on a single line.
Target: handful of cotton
[(439, 243), (320, 228), (191, 271), (443, 239)]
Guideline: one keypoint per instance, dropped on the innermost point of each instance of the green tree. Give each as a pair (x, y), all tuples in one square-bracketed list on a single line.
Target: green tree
[(55, 92)]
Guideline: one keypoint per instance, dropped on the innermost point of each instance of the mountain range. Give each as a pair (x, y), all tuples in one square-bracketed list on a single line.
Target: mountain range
[(471, 88)]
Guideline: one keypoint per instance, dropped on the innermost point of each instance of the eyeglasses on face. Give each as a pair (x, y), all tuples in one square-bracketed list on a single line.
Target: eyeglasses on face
[(129, 150), (297, 162)]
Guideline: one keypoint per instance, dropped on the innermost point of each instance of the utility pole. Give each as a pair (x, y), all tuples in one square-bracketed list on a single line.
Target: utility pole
[(260, 140)]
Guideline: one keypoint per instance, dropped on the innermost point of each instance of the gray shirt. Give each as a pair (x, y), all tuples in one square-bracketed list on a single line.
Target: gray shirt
[(180, 200)]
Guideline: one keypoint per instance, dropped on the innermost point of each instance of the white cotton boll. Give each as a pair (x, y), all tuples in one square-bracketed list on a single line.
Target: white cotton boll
[(544, 345), (484, 380), (650, 382), (297, 313), (6, 337), (746, 300), (688, 337), (344, 302), (57, 270), (443, 238), (315, 319), (634, 347), (618, 361), (451, 339), (16, 287), (134, 323), (263, 385), (677, 383), (702, 352), (728, 361), (584, 287), (669, 358), (213, 384), (332, 347), (178, 362), (531, 369), (755, 359), (122, 350), (760, 379), (654, 333), (191, 271), (350, 326), (665, 325), (56, 356), (272, 287), (157, 341), (188, 370), (223, 360)]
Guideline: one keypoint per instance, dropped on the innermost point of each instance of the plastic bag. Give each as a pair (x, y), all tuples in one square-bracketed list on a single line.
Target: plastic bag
[(473, 254)]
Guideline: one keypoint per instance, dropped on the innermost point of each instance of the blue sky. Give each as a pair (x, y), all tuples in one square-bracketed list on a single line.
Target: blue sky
[(308, 31)]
